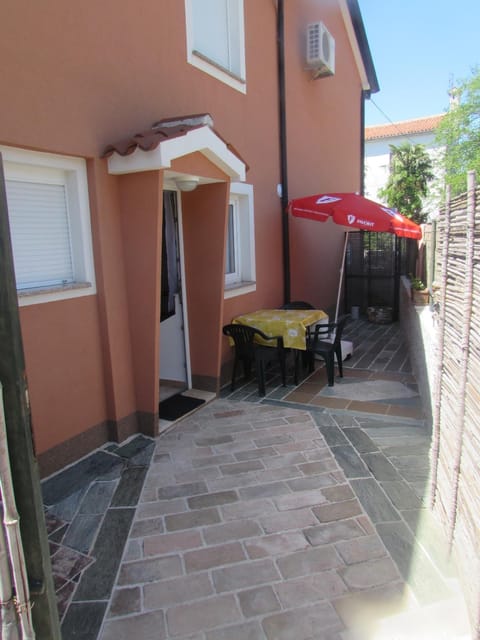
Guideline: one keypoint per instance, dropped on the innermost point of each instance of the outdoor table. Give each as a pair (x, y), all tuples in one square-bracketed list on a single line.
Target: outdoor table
[(291, 324)]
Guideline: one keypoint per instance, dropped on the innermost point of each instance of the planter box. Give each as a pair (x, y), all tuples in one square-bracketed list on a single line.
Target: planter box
[(420, 297)]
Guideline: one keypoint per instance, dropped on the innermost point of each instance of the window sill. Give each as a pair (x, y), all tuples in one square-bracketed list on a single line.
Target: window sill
[(218, 66), (239, 289), (219, 72), (49, 294)]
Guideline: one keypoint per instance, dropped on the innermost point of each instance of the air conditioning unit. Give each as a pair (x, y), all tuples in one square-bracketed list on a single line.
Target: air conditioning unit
[(320, 50)]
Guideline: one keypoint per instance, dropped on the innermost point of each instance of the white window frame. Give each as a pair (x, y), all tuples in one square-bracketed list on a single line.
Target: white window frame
[(45, 168), (233, 228), (241, 197), (236, 37)]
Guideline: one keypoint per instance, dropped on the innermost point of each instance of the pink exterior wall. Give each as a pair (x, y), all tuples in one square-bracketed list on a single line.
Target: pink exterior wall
[(324, 145), (141, 220), (112, 293), (78, 82), (64, 369), (204, 218)]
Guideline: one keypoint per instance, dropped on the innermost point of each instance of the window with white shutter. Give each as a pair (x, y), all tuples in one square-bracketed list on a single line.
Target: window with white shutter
[(49, 220)]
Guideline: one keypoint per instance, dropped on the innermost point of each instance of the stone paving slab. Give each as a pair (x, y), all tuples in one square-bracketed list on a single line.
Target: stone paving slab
[(268, 518), (286, 547), (261, 556)]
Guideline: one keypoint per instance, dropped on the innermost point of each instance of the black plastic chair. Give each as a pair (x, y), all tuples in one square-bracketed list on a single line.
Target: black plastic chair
[(249, 351), (306, 357), (326, 349)]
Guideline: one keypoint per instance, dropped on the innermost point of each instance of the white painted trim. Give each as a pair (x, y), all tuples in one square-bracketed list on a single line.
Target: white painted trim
[(246, 230), (29, 297), (347, 19), (234, 276), (217, 72), (81, 232), (188, 363), (203, 140), (241, 290)]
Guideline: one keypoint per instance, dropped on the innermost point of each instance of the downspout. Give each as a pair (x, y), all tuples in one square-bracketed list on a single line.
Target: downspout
[(363, 96), (283, 148)]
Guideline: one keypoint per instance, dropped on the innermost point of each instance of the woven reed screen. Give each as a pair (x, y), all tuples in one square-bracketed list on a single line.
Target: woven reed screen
[(456, 411)]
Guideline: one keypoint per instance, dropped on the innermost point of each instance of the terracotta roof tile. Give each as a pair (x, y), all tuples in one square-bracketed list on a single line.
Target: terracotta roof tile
[(403, 128), (162, 130), (146, 140)]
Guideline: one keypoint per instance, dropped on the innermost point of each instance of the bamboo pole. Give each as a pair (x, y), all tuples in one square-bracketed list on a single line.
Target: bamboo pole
[(23, 461), (9, 629), (12, 530), (465, 349), (437, 392)]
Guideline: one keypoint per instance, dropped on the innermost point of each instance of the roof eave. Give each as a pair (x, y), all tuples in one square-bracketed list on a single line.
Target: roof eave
[(369, 81)]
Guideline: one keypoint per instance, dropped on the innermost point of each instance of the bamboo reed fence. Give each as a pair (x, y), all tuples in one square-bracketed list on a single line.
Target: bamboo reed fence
[(12, 552), (456, 394)]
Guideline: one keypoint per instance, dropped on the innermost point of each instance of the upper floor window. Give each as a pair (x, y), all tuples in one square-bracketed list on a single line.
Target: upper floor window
[(215, 39), (49, 217)]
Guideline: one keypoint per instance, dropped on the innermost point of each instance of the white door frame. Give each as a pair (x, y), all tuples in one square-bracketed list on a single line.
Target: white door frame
[(184, 318)]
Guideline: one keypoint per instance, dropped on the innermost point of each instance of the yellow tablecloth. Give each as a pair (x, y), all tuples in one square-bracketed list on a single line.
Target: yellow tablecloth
[(291, 324)]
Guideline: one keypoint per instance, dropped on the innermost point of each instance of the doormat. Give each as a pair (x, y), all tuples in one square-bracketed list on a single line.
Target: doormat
[(177, 406)]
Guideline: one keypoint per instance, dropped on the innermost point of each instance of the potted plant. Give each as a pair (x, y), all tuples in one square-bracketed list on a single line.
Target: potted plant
[(420, 293)]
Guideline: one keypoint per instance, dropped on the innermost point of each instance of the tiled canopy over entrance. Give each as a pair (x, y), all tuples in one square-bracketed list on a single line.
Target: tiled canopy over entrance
[(168, 139)]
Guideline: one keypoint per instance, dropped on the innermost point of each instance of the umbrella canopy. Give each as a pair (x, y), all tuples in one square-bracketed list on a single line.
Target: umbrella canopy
[(354, 211)]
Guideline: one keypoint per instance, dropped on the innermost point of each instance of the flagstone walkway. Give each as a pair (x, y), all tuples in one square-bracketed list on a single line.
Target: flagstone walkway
[(275, 518)]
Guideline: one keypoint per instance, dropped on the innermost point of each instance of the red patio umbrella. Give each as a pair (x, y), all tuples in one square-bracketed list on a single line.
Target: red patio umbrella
[(353, 210)]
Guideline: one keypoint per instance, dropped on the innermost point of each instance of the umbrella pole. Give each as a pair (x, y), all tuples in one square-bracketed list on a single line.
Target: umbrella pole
[(342, 268)]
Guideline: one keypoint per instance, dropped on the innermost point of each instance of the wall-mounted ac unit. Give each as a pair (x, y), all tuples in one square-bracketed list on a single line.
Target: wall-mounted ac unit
[(320, 50)]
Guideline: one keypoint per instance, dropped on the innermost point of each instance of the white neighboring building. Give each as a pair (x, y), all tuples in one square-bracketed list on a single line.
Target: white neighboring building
[(378, 139)]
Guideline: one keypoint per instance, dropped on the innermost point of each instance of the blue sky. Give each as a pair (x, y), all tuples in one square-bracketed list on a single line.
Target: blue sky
[(418, 47)]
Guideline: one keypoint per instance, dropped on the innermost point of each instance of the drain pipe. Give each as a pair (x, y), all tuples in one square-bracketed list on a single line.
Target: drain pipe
[(283, 147), (363, 97)]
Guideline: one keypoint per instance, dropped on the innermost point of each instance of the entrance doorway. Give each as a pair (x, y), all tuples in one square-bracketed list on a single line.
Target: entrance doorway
[(174, 370)]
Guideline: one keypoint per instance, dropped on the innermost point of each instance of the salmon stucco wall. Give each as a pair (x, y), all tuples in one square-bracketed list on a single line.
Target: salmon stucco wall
[(324, 148), (204, 213), (253, 122), (94, 82), (63, 357), (112, 293), (141, 210)]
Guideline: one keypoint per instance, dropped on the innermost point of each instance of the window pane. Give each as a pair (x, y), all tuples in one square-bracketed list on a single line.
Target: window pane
[(240, 242), (40, 232), (230, 257), (216, 32)]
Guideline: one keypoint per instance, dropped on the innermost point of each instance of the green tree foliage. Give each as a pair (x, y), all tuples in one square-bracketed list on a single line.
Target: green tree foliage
[(407, 185), (459, 133)]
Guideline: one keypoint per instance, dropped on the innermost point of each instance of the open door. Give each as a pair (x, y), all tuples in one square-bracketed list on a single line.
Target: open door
[(173, 361)]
